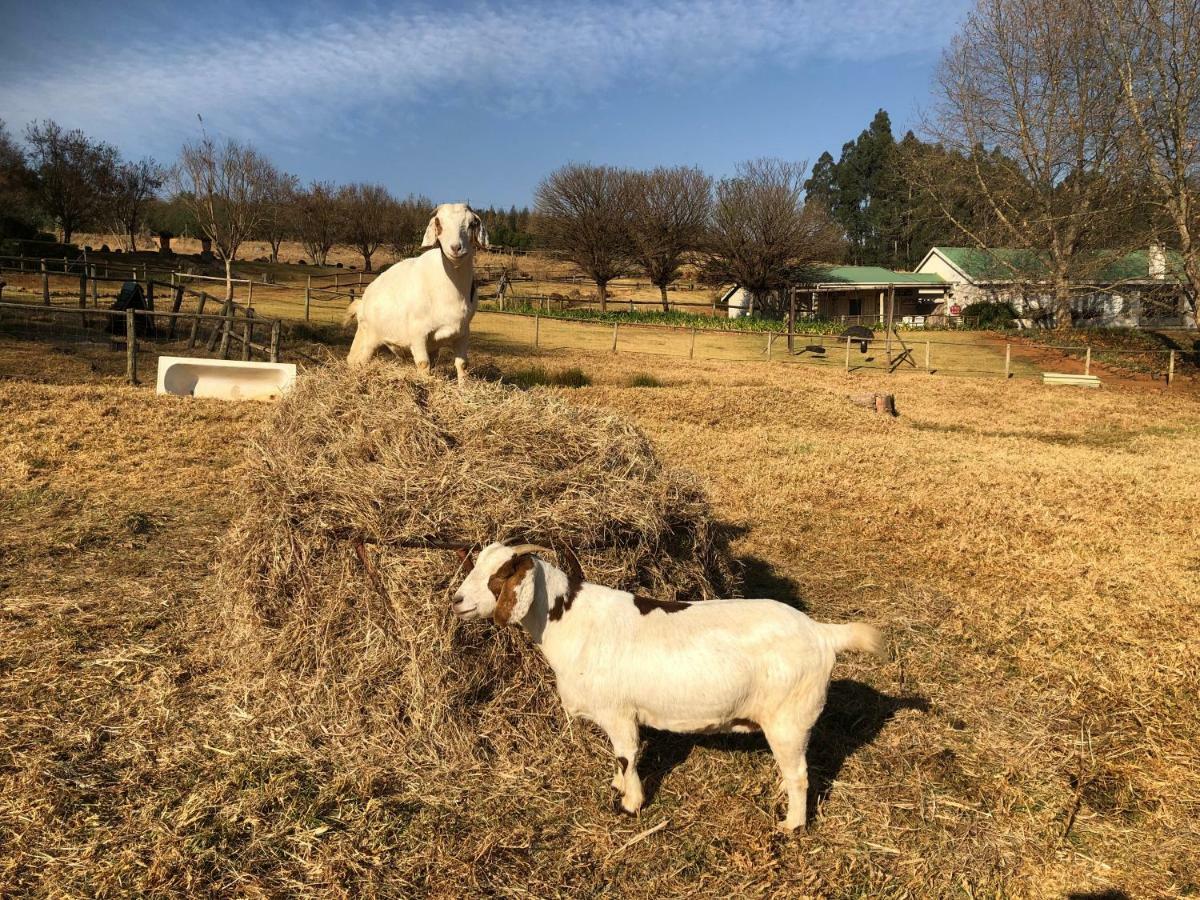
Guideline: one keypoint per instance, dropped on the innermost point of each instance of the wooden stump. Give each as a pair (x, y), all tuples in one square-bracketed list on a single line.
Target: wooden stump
[(882, 404)]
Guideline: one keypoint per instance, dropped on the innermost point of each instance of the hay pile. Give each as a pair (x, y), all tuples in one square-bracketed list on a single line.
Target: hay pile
[(369, 652)]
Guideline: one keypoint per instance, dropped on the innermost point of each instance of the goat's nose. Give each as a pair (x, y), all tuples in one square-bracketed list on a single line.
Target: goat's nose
[(456, 247), (457, 598)]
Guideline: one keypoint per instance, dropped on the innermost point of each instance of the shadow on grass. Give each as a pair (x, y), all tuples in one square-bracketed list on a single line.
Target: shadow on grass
[(854, 715), (759, 579)]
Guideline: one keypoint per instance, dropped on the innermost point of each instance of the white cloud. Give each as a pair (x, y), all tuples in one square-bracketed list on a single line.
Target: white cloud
[(296, 82)]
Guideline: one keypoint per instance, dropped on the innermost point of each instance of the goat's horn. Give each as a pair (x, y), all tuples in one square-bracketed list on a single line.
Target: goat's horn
[(529, 548)]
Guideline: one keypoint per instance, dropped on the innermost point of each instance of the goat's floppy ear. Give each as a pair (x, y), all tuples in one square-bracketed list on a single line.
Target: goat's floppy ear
[(516, 594), (481, 235), (432, 230)]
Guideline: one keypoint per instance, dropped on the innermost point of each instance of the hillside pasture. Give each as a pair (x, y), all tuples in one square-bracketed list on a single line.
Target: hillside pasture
[(1030, 553)]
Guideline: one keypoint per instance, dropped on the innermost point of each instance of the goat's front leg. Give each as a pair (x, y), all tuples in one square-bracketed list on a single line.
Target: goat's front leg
[(623, 733), (460, 356), (420, 353), (363, 348)]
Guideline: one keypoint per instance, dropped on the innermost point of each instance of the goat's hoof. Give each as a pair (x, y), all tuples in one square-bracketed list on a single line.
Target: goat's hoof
[(788, 827), (618, 805)]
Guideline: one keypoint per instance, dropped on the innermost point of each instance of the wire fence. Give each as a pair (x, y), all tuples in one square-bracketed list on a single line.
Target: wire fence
[(68, 306), (889, 352)]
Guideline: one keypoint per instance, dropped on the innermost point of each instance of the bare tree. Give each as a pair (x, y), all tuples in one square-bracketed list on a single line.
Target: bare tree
[(1153, 46), (223, 187), (318, 220), (406, 224), (279, 210), (671, 212), (762, 230), (586, 213), (1032, 125), (17, 216), (367, 210), (131, 189), (70, 173)]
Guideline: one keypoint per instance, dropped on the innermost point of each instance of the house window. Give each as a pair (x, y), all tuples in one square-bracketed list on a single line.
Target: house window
[(856, 307)]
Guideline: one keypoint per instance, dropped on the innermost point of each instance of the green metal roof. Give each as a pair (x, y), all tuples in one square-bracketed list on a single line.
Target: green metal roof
[(998, 264), (1006, 264), (872, 275), (1136, 267)]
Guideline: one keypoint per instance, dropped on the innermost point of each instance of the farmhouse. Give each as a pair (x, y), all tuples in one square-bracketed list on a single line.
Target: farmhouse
[(1139, 288), (855, 294), (860, 294)]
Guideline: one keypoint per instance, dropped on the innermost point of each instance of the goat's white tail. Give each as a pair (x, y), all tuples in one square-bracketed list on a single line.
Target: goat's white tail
[(351, 312), (856, 636)]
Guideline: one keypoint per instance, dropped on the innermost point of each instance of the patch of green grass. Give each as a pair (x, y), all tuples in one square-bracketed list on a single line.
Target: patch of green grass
[(539, 376), (642, 380)]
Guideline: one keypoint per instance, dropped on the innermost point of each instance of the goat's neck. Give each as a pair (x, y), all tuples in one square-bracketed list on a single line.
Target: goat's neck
[(461, 272), (550, 586)]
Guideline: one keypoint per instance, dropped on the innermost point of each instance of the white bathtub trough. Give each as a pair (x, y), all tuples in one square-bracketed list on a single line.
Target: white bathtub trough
[(223, 379)]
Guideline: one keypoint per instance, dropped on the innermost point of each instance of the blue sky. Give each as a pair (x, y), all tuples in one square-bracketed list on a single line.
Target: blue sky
[(474, 101)]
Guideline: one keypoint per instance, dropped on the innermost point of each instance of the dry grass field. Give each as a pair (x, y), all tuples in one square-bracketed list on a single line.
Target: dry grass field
[(1032, 553)]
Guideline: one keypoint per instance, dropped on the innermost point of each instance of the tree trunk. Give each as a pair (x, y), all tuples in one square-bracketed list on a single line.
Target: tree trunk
[(228, 279), (662, 289), (275, 253), (132, 241), (1062, 302), (366, 261), (602, 290), (67, 231)]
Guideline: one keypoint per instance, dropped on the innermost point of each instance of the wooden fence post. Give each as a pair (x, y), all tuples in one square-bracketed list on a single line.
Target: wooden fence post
[(196, 320), (1008, 360), (692, 348), (927, 369), (223, 327), (95, 288), (45, 284), (537, 327), (247, 335), (130, 347), (770, 340), (275, 335), (847, 356), (791, 336), (83, 288), (176, 302), (616, 325), (1087, 363), (1171, 368), (307, 297), (226, 332), (250, 292)]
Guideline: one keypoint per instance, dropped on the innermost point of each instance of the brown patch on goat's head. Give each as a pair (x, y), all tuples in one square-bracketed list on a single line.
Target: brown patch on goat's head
[(505, 582)]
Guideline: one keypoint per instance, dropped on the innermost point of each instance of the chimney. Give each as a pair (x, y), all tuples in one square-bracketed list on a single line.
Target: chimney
[(1157, 262)]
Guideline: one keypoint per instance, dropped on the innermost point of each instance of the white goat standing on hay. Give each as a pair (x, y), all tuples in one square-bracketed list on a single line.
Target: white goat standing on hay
[(623, 661), (427, 301)]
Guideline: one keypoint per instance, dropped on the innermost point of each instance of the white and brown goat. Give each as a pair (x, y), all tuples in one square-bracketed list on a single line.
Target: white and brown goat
[(623, 660)]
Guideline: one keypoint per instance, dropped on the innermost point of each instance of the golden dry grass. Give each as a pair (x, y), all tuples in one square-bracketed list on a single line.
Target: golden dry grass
[(1030, 552)]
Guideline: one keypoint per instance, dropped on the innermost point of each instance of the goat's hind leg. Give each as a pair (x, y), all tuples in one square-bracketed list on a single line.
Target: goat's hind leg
[(788, 738)]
